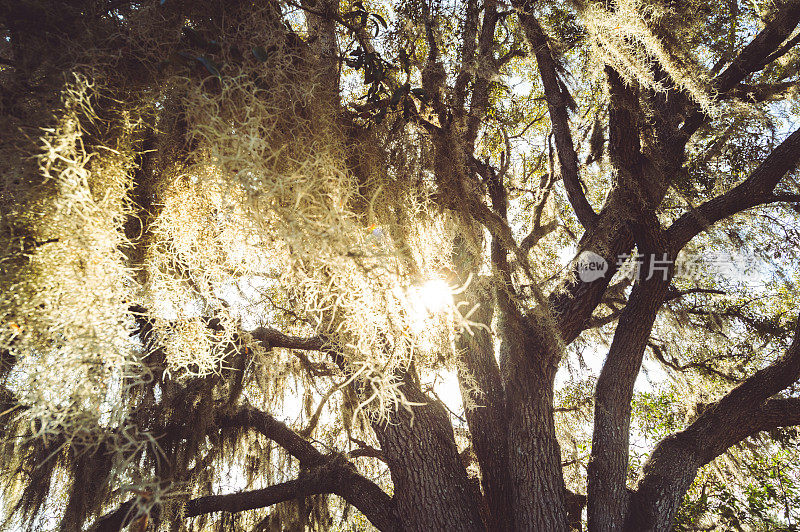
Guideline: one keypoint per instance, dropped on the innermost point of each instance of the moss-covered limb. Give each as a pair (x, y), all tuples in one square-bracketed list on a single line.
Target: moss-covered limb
[(333, 476), (341, 476), (745, 410), (762, 48)]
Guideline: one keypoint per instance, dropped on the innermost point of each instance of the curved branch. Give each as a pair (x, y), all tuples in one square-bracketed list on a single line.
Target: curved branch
[(755, 190), (674, 293), (608, 466), (356, 489), (314, 482), (335, 476), (276, 431), (274, 338), (742, 412)]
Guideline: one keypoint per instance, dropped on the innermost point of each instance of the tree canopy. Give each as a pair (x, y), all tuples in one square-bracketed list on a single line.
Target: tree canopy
[(413, 265)]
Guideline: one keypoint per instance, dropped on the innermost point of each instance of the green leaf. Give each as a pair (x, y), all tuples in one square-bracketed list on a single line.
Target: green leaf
[(210, 66), (260, 53)]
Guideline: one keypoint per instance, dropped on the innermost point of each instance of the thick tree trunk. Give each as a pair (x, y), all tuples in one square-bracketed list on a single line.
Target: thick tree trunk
[(530, 362), (535, 456), (608, 466), (485, 411), (431, 487), (670, 472)]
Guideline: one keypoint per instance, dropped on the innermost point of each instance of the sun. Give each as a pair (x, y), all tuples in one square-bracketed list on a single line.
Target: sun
[(427, 300), (435, 296)]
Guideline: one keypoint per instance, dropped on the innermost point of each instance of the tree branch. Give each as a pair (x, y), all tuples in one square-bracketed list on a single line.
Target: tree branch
[(612, 316), (468, 42), (316, 481), (661, 356), (486, 67), (755, 190), (742, 412), (336, 475), (674, 293), (325, 474), (277, 431), (632, 194), (763, 92), (763, 49), (356, 489), (557, 104), (274, 338)]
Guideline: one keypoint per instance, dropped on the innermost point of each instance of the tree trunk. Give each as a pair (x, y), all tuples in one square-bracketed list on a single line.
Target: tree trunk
[(530, 361), (535, 456), (431, 487), (608, 467), (480, 383)]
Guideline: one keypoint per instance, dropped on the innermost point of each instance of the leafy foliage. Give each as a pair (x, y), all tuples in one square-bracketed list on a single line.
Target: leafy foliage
[(211, 209)]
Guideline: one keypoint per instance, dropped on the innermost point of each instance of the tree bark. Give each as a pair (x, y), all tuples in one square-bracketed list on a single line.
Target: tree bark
[(431, 487), (534, 452), (529, 358), (485, 412), (608, 465)]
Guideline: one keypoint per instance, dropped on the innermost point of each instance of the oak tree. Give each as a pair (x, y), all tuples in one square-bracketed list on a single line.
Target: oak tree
[(413, 265)]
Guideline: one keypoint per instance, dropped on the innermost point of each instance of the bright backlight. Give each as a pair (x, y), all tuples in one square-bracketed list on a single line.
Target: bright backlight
[(435, 296)]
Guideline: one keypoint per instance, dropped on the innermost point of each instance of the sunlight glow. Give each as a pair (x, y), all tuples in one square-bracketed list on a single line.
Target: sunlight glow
[(433, 297), (436, 296)]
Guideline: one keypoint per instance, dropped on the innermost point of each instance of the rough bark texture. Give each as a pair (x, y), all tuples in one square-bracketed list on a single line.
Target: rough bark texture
[(530, 361), (608, 466), (481, 385), (534, 453), (432, 490)]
